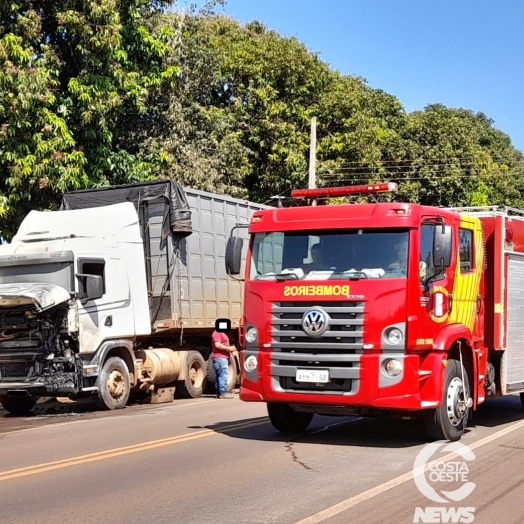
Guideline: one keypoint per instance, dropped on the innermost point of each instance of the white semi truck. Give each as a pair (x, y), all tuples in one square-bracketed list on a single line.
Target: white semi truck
[(118, 293)]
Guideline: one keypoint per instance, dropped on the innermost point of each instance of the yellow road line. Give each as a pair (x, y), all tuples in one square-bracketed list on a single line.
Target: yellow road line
[(117, 452), (393, 483)]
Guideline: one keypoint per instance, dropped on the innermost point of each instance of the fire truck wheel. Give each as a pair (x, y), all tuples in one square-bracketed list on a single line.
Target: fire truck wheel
[(195, 379), (232, 376), (18, 405), (448, 421), (286, 420), (113, 385)]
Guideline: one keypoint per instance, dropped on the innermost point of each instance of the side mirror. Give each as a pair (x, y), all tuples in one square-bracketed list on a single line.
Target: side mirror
[(442, 246), (234, 255), (91, 287)]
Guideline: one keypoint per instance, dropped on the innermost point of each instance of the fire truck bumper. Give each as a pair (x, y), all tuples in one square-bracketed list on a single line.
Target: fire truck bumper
[(417, 384)]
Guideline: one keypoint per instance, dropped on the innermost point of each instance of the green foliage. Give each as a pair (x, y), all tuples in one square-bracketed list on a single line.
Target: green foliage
[(453, 157), (98, 92), (196, 134), (72, 73), (239, 118)]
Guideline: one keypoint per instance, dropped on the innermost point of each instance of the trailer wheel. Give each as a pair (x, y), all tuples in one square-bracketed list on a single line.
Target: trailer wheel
[(19, 405), (113, 385), (232, 376), (286, 420), (195, 380), (448, 422)]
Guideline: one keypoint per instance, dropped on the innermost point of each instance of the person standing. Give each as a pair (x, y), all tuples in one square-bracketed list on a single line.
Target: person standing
[(222, 349)]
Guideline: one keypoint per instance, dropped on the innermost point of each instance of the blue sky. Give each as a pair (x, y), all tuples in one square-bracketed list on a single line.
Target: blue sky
[(462, 53)]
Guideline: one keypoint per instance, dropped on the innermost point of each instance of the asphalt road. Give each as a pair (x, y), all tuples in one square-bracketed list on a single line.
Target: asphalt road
[(220, 461)]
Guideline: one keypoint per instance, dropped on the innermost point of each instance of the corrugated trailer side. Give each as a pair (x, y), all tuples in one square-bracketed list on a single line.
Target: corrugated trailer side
[(199, 291), (208, 292)]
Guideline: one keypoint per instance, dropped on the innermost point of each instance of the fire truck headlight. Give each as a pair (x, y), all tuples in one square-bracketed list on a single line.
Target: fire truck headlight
[(393, 367), (251, 334), (395, 336), (251, 363)]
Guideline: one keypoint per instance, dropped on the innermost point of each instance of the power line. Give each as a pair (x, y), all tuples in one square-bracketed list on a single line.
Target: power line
[(414, 166), (446, 159), (433, 177), (407, 172)]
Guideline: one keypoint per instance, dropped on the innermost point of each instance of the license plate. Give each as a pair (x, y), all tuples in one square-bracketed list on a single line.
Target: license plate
[(316, 376)]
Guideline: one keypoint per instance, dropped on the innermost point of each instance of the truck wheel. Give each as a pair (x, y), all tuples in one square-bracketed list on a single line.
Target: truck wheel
[(448, 421), (232, 376), (195, 377), (210, 376), (19, 405), (113, 385), (286, 420)]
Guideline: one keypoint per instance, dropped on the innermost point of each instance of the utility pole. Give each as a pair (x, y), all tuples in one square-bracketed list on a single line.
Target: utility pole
[(313, 155)]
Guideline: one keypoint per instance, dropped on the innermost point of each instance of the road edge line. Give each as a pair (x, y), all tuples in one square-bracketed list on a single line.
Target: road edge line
[(397, 481)]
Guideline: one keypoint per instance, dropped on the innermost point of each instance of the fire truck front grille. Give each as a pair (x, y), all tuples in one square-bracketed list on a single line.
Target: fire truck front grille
[(337, 351), (344, 335)]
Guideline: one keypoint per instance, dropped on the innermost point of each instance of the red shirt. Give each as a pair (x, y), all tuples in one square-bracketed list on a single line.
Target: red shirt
[(223, 339)]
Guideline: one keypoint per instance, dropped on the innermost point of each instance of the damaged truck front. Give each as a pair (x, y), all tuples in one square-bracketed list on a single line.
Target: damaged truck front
[(39, 327)]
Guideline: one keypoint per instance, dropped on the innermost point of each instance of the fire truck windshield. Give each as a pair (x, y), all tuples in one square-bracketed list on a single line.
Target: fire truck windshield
[(334, 254)]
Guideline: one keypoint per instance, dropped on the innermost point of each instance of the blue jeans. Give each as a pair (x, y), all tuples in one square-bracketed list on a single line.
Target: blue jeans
[(220, 365)]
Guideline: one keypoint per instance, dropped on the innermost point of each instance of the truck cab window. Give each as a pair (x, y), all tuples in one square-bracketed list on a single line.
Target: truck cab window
[(466, 251), (93, 267)]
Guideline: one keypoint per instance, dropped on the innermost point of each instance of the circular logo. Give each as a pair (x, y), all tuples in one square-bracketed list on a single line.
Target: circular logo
[(315, 322), (448, 470)]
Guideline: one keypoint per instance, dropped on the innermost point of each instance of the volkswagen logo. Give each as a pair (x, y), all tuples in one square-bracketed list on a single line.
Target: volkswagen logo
[(315, 322)]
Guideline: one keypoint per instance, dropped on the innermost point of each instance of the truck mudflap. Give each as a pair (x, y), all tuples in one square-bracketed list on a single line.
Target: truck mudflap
[(419, 388)]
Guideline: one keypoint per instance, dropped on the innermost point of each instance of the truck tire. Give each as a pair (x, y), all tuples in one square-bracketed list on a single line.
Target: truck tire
[(232, 376), (448, 422), (19, 405), (195, 380), (114, 385), (286, 420)]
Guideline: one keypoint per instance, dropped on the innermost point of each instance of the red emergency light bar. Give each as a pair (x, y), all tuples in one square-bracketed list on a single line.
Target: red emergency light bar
[(343, 191)]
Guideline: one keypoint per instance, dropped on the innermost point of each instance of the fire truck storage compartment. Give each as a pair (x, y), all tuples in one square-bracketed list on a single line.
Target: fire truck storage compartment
[(515, 320)]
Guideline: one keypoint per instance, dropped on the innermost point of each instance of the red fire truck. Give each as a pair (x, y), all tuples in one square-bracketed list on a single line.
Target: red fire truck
[(381, 308)]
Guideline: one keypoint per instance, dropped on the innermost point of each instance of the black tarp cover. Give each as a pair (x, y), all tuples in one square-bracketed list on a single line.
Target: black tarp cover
[(177, 213)]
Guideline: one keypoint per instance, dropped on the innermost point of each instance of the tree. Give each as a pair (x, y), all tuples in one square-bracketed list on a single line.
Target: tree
[(72, 73), (240, 114), (195, 131), (454, 157), (98, 92)]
